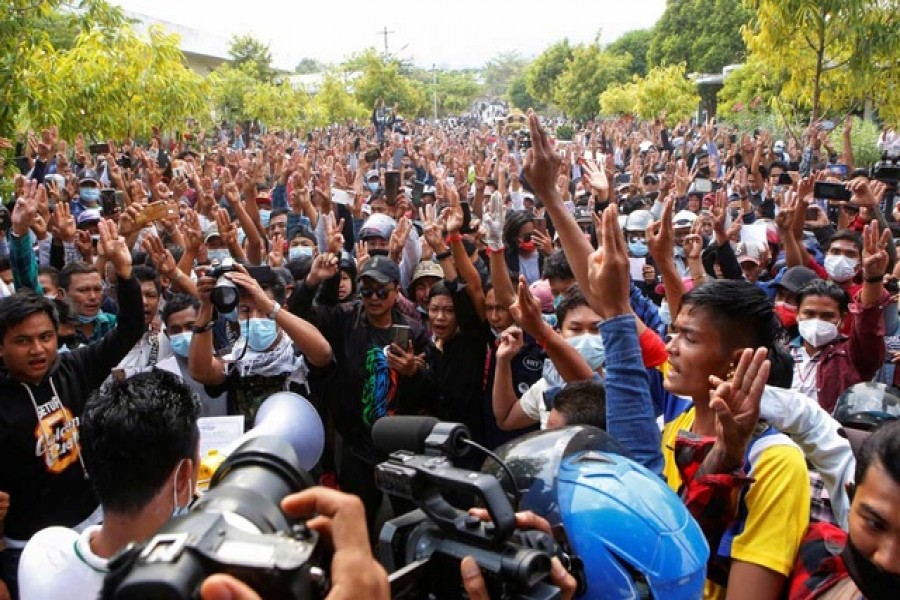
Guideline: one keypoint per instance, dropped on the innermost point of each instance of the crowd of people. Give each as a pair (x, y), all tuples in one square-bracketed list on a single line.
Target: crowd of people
[(704, 295)]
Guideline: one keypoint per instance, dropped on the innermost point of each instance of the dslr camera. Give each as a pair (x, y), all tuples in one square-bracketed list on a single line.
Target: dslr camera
[(225, 295), (237, 528), (422, 549)]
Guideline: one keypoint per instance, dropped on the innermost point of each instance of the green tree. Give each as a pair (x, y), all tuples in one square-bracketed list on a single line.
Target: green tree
[(248, 52), (619, 99), (666, 89), (276, 105), (520, 98), (335, 104), (831, 55), (309, 65), (703, 34), (114, 84), (542, 74), (637, 44), (456, 90), (228, 85), (589, 72), (500, 71), (380, 79)]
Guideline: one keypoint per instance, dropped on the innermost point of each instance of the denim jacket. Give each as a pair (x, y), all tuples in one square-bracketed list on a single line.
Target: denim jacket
[(630, 416)]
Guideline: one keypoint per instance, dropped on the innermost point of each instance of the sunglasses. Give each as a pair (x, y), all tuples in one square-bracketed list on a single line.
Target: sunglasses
[(382, 293)]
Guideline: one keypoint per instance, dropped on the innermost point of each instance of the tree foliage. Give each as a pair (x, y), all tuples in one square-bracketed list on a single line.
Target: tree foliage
[(113, 83), (309, 65), (334, 104), (456, 90), (520, 98), (228, 87), (830, 55), (619, 99), (542, 74), (637, 44), (382, 79), (253, 56), (501, 71), (703, 34), (666, 89), (588, 73)]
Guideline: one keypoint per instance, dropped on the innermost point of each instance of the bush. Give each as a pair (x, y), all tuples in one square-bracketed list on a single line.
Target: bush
[(565, 132)]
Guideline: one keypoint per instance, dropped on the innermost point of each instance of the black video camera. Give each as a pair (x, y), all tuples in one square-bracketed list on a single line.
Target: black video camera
[(238, 528), (421, 550), (225, 295)]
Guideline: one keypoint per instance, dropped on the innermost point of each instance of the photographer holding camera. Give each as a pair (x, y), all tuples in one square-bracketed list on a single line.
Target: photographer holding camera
[(273, 351)]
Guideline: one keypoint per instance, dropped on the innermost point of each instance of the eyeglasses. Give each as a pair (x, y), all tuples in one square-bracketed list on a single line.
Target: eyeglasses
[(382, 293)]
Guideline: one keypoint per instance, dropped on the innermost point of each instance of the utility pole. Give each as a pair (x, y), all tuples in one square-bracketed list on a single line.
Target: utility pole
[(386, 33), (434, 88)]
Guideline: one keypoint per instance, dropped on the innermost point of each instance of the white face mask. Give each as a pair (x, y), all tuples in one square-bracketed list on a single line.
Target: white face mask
[(840, 268), (177, 510), (817, 332)]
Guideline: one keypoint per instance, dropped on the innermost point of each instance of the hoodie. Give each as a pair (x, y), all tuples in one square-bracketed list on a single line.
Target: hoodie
[(43, 470)]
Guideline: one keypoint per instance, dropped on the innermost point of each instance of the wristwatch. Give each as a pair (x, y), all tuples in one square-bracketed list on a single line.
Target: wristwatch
[(275, 310), (202, 328)]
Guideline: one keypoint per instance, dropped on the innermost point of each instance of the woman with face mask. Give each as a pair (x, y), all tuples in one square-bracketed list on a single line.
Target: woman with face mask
[(826, 362), (276, 351)]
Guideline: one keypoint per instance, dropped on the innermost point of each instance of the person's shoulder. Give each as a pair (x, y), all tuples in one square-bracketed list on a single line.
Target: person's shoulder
[(53, 546), (773, 452)]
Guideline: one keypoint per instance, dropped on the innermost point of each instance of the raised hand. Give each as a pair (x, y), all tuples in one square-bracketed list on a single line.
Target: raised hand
[(26, 207), (160, 255), (660, 237), (542, 162), (596, 175), (276, 252), (324, 267), (875, 257), (62, 223), (736, 404), (526, 311), (511, 342), (398, 238), (113, 248), (334, 231), (609, 268), (433, 230), (494, 221)]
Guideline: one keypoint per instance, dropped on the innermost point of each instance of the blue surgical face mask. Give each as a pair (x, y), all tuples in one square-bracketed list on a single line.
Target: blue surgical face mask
[(85, 320), (373, 186), (89, 194), (178, 511), (218, 254), (264, 216), (557, 300), (637, 249), (590, 347), (181, 343), (295, 252), (259, 333)]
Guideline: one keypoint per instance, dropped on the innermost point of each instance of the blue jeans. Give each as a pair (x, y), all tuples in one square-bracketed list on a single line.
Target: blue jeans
[(630, 414)]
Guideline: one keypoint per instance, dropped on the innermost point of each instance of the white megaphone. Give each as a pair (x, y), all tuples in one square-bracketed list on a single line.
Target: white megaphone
[(291, 417)]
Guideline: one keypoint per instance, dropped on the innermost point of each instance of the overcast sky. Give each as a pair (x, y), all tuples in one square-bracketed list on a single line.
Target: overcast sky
[(464, 33)]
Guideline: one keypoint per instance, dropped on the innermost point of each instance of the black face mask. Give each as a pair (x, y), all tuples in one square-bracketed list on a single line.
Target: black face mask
[(375, 252), (703, 172), (874, 582)]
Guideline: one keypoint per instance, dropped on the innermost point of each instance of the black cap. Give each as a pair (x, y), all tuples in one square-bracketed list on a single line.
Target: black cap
[(88, 175), (382, 269), (796, 277)]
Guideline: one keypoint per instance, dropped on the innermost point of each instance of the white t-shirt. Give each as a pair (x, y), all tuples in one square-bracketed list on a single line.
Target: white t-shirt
[(532, 402), (806, 371), (58, 563)]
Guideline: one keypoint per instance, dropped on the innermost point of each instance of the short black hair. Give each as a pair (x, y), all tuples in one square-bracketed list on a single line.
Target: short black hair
[(51, 272), (15, 309), (276, 212), (582, 403), (439, 289), (5, 263), (144, 273), (133, 433), (556, 266), (829, 289), (515, 220), (571, 299), (75, 268), (848, 235), (884, 446), (778, 164), (746, 313), (178, 303)]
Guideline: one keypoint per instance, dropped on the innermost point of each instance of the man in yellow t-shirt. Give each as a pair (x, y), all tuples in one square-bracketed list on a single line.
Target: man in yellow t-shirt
[(773, 510)]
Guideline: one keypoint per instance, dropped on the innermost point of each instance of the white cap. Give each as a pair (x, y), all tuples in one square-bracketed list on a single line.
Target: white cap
[(684, 218)]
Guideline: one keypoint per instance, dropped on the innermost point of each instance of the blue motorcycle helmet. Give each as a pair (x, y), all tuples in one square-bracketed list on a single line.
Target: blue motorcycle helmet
[(633, 535)]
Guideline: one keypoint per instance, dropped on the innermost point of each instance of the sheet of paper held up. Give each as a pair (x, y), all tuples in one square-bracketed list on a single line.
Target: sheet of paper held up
[(219, 433)]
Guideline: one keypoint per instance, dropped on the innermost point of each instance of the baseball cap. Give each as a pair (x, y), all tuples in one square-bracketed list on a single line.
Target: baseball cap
[(583, 214), (427, 268), (382, 269), (88, 217), (372, 174), (88, 175), (796, 277), (212, 232), (779, 144), (745, 254), (378, 225), (683, 218)]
